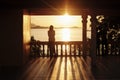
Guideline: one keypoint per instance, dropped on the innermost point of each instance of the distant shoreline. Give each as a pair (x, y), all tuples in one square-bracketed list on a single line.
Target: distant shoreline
[(55, 27)]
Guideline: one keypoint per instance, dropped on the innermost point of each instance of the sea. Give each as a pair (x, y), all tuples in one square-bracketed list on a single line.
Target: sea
[(62, 34), (75, 34)]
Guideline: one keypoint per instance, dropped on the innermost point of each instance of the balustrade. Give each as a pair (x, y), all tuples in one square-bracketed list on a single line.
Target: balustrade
[(71, 48)]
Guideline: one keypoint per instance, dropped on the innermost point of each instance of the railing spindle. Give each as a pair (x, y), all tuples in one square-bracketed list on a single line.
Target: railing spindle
[(71, 48), (74, 49), (43, 50), (61, 50), (79, 50), (57, 49), (65, 50)]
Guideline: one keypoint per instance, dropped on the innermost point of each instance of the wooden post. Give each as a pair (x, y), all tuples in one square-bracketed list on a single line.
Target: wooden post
[(84, 37), (93, 38)]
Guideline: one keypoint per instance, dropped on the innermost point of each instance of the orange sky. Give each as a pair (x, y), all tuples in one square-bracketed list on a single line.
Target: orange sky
[(57, 21), (61, 21)]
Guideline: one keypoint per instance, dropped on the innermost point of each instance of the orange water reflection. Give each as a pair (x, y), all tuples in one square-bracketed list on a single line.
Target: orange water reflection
[(66, 34)]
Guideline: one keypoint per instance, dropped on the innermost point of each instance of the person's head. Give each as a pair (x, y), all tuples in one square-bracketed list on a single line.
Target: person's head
[(32, 37), (51, 27)]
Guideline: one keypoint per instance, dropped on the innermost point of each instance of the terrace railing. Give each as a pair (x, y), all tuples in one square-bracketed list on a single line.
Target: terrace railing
[(62, 48)]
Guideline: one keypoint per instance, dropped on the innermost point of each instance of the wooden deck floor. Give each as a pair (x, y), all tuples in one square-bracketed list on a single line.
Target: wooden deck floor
[(68, 68), (60, 68)]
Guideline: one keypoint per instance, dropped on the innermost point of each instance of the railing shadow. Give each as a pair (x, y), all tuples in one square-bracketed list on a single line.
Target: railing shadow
[(57, 68)]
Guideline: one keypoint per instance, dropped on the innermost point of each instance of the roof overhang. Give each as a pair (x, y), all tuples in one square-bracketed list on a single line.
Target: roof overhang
[(74, 7)]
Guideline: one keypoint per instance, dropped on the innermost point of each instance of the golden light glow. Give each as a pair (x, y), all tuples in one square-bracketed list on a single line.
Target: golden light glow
[(66, 34), (66, 20)]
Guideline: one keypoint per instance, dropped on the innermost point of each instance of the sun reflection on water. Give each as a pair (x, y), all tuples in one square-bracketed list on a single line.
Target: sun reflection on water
[(66, 34)]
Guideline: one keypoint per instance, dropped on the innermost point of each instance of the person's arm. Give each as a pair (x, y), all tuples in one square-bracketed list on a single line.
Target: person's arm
[(48, 33), (54, 33)]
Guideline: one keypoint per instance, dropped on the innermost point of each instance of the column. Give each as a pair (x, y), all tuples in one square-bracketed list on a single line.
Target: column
[(11, 50), (93, 38), (84, 37)]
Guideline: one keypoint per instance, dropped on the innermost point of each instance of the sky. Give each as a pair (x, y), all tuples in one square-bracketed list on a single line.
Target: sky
[(66, 21), (57, 21)]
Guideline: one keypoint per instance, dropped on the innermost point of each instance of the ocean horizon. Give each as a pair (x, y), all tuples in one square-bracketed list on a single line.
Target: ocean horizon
[(75, 34)]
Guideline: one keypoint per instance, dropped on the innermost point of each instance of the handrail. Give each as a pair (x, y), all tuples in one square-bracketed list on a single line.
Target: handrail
[(61, 42), (62, 48)]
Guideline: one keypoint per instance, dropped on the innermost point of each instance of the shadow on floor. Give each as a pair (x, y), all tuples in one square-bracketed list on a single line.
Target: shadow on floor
[(65, 68)]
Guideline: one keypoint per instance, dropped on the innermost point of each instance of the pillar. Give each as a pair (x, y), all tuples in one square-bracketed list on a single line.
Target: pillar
[(15, 36), (84, 37), (93, 38)]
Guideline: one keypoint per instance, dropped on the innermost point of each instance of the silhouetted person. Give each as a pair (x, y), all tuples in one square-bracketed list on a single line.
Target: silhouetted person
[(33, 39), (38, 49), (51, 35), (33, 46)]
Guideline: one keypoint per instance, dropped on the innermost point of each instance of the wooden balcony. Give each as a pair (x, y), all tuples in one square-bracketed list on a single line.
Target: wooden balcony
[(62, 48)]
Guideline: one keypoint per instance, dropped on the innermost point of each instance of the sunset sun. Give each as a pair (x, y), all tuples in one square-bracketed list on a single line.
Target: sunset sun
[(66, 20)]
